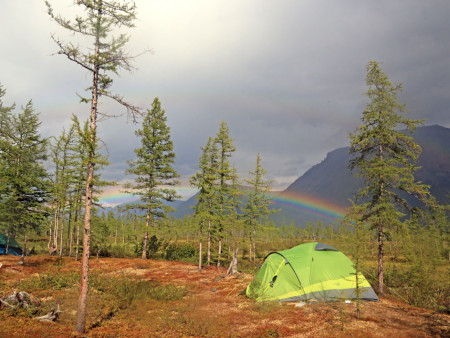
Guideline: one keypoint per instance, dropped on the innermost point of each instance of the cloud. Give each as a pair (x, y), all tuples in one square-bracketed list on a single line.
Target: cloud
[(287, 76)]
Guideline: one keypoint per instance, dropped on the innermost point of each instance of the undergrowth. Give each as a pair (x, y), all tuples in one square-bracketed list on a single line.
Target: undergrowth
[(49, 281), (119, 292)]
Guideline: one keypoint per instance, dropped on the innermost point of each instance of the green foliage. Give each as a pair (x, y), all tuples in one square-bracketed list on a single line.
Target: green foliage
[(180, 252), (385, 157), (24, 185), (420, 284), (257, 202), (153, 246), (124, 290), (29, 311), (99, 21), (154, 164), (55, 280), (153, 168)]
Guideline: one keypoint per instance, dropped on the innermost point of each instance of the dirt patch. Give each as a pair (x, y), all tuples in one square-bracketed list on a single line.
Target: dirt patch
[(213, 306)]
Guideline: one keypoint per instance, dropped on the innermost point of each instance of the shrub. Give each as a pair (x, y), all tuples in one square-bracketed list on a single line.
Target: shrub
[(52, 280), (183, 252), (124, 290)]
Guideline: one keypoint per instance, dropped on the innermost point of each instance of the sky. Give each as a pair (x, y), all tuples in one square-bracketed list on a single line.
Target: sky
[(287, 76)]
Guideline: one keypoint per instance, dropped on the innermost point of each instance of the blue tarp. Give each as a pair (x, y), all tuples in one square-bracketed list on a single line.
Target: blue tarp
[(13, 247)]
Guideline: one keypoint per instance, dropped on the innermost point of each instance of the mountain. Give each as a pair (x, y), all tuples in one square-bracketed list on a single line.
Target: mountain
[(185, 207), (323, 192), (333, 183)]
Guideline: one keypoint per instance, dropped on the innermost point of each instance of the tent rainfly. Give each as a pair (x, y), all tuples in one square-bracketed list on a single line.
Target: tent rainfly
[(13, 247), (310, 271)]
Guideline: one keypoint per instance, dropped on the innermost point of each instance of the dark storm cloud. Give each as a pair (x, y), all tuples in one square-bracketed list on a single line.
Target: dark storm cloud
[(287, 76)]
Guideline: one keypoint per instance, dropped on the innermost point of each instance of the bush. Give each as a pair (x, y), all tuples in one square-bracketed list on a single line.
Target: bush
[(124, 290), (117, 251), (153, 245), (183, 252), (420, 285)]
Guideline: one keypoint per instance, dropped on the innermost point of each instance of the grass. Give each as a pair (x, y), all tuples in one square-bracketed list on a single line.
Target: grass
[(134, 298)]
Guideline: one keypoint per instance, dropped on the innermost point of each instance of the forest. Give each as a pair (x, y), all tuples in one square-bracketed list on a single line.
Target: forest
[(49, 190)]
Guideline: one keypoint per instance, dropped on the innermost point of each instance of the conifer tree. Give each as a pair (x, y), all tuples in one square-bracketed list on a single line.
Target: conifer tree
[(258, 202), (108, 56), (25, 185), (225, 176), (385, 157), (154, 168), (65, 160), (358, 238), (206, 207), (234, 221), (6, 132)]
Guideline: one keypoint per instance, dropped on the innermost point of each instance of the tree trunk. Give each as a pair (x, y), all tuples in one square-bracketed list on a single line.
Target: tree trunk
[(220, 251), (123, 232), (77, 243), (55, 232), (144, 246), (251, 246), (7, 244), (209, 244), (357, 289), (80, 325), (254, 244), (380, 234), (233, 264), (53, 240), (69, 232), (380, 260), (200, 254), (22, 259), (147, 224), (50, 236), (61, 243), (117, 229)]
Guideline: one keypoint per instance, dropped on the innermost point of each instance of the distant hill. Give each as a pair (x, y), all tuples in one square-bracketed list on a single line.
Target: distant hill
[(322, 193), (333, 183)]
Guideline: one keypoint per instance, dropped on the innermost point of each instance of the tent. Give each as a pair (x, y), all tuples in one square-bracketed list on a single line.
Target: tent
[(310, 271), (13, 247)]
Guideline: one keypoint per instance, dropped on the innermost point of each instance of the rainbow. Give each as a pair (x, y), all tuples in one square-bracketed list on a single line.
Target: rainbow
[(113, 196), (309, 204)]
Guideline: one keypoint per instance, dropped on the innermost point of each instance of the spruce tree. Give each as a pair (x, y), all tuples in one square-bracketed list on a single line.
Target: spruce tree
[(225, 176), (154, 169), (25, 184), (105, 55), (385, 157), (257, 202), (6, 132), (206, 207)]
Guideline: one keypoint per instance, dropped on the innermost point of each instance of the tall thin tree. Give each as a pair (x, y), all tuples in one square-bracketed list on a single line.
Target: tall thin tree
[(257, 202), (206, 207), (108, 56), (385, 157), (225, 176)]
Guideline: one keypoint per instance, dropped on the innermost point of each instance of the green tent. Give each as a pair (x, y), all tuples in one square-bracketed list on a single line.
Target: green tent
[(310, 271), (13, 247)]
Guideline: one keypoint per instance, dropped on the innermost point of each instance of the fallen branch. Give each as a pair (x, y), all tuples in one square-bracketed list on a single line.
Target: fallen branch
[(51, 316), (4, 304)]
